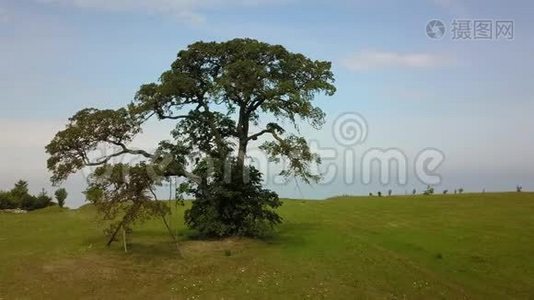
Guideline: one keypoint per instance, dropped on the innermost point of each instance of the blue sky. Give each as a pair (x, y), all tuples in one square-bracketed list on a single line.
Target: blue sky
[(471, 99)]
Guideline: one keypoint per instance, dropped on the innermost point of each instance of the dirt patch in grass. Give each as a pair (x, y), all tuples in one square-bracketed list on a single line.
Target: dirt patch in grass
[(214, 247)]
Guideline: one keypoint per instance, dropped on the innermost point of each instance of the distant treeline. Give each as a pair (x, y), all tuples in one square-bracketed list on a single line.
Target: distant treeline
[(19, 197)]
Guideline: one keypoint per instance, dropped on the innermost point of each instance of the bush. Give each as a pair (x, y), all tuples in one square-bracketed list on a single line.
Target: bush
[(42, 200), (28, 202), (6, 201), (233, 207)]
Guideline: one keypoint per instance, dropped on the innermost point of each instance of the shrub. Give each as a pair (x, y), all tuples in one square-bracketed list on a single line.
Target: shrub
[(28, 202), (6, 201), (42, 200), (233, 207)]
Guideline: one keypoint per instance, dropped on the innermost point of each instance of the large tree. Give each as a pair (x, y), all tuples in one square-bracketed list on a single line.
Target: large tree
[(217, 93)]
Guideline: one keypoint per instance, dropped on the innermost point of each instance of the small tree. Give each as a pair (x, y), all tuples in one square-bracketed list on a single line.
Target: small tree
[(390, 192), (445, 192), (61, 195), (414, 192), (379, 194), (21, 198), (125, 195), (519, 189), (460, 190), (19, 193)]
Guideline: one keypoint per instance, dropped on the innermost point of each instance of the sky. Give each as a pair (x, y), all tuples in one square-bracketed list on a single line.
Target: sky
[(470, 100)]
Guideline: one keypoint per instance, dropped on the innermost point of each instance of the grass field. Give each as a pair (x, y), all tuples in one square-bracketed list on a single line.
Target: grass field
[(474, 246)]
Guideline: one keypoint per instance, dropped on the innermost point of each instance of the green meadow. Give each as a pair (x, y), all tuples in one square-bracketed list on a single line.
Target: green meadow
[(469, 246)]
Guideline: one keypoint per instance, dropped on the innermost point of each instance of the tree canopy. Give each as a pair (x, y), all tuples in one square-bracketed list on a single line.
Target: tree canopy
[(216, 93)]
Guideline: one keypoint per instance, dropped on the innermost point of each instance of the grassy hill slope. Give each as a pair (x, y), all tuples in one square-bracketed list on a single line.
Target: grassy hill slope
[(448, 246)]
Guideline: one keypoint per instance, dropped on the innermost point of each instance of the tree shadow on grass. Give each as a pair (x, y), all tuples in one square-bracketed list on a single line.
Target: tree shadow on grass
[(153, 243), (291, 234), (155, 249)]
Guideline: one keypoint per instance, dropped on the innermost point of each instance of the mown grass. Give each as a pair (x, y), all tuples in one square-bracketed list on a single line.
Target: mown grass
[(475, 246)]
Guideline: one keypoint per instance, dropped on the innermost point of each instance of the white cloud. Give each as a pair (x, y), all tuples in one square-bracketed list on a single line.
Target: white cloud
[(185, 10), (368, 60)]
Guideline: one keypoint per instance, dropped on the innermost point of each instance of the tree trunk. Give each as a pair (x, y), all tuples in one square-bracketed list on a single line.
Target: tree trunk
[(242, 129), (241, 154)]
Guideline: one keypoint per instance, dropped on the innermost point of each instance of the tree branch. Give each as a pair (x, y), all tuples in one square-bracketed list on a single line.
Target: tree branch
[(213, 127), (256, 135), (162, 116), (102, 160), (271, 128), (125, 150), (255, 104)]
